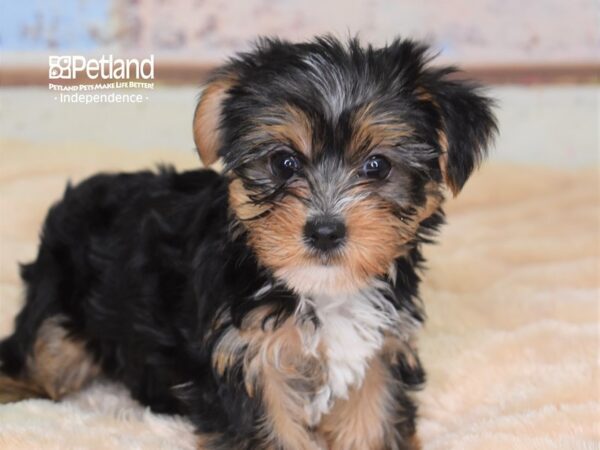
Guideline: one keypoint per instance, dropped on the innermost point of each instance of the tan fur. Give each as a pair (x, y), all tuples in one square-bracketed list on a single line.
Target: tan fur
[(278, 367), (434, 199), (12, 390), (414, 442), (205, 441), (281, 366), (371, 222), (366, 419), (59, 364), (239, 200), (289, 381), (426, 96), (207, 135), (362, 421), (394, 348), (378, 129), (293, 128), (277, 237), (443, 140)]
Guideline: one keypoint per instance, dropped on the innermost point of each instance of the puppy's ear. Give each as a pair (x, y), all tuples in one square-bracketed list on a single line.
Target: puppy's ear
[(467, 127), (208, 117)]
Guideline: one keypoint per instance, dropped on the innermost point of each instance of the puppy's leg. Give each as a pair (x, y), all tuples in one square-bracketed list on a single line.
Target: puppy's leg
[(60, 364), (376, 416), (56, 365), (12, 390), (41, 358), (14, 386)]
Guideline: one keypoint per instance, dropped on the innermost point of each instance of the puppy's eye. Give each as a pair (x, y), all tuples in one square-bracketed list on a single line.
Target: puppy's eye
[(376, 167), (285, 165)]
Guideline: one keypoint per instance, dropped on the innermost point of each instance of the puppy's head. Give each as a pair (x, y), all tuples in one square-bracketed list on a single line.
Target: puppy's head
[(337, 153)]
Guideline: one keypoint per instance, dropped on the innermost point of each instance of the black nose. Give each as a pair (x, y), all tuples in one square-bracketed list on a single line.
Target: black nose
[(325, 233)]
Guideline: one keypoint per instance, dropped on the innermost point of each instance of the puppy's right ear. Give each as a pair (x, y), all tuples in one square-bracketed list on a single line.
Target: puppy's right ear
[(208, 117), (468, 127)]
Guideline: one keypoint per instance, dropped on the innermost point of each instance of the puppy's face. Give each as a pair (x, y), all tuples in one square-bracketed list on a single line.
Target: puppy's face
[(338, 153)]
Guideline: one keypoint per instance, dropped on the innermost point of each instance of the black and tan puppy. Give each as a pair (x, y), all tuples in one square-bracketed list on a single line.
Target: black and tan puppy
[(275, 304)]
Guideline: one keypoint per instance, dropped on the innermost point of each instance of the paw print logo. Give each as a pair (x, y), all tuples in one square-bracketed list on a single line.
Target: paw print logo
[(59, 67)]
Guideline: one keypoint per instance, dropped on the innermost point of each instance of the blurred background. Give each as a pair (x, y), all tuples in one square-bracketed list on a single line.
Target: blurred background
[(541, 59)]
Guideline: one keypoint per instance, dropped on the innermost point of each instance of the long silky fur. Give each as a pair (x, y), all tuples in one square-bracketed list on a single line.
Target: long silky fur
[(154, 275)]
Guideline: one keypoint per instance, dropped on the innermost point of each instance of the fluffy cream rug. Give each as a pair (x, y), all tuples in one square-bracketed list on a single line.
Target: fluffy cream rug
[(512, 294)]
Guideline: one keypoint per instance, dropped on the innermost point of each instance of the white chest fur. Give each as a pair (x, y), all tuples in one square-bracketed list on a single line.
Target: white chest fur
[(351, 332)]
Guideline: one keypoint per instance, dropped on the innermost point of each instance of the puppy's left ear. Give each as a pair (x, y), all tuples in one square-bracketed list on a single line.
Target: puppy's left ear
[(208, 116), (466, 130)]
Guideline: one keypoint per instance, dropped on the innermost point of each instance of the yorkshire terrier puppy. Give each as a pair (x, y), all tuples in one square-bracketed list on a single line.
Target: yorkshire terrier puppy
[(276, 303)]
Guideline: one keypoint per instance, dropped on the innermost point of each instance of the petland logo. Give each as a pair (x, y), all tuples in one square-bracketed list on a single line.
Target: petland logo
[(73, 75), (107, 68)]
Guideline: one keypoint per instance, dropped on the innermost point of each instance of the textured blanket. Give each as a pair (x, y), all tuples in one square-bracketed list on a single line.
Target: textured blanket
[(511, 345)]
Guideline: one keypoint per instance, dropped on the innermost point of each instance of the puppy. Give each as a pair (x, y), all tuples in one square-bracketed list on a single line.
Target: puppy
[(274, 304)]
